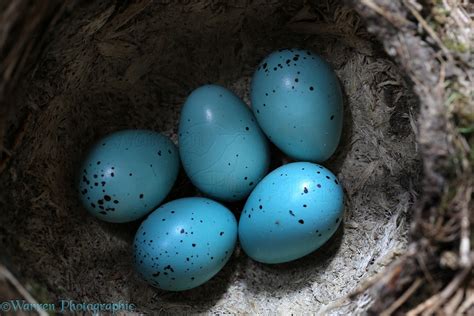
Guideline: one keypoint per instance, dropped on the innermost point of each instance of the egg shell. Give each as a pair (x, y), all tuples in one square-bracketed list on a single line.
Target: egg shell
[(184, 243), (297, 100), (223, 150), (292, 212), (127, 174)]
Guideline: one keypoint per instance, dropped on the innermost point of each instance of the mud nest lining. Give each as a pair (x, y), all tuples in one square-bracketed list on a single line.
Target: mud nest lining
[(107, 67)]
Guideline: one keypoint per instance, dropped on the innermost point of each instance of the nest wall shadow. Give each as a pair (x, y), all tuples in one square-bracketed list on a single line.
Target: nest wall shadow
[(108, 68)]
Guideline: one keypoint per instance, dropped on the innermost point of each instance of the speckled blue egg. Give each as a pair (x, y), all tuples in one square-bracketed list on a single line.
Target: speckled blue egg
[(223, 150), (184, 243), (292, 212), (128, 174), (297, 100)]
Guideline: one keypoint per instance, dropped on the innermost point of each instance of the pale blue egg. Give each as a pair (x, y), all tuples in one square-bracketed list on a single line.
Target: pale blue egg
[(223, 150), (128, 174), (297, 100), (184, 243), (293, 211)]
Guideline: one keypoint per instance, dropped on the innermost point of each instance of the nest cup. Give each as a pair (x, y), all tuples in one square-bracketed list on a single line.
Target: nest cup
[(107, 68)]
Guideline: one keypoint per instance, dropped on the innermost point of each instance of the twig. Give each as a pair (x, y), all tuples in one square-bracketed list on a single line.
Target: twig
[(397, 21), (424, 269), (468, 302), (402, 299), (454, 303), (434, 302), (21, 290), (429, 30)]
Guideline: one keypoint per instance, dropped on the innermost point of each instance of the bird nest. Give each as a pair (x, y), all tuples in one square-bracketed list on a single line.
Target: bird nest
[(75, 71)]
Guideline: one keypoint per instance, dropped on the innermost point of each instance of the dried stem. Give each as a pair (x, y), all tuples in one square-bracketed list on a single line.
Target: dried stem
[(6, 275)]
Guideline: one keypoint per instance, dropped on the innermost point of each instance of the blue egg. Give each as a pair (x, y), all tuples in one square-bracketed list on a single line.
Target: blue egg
[(223, 150), (128, 174), (292, 212), (184, 243), (297, 100)]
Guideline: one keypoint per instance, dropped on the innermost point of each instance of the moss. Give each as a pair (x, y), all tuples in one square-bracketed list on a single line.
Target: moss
[(466, 129), (456, 46)]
